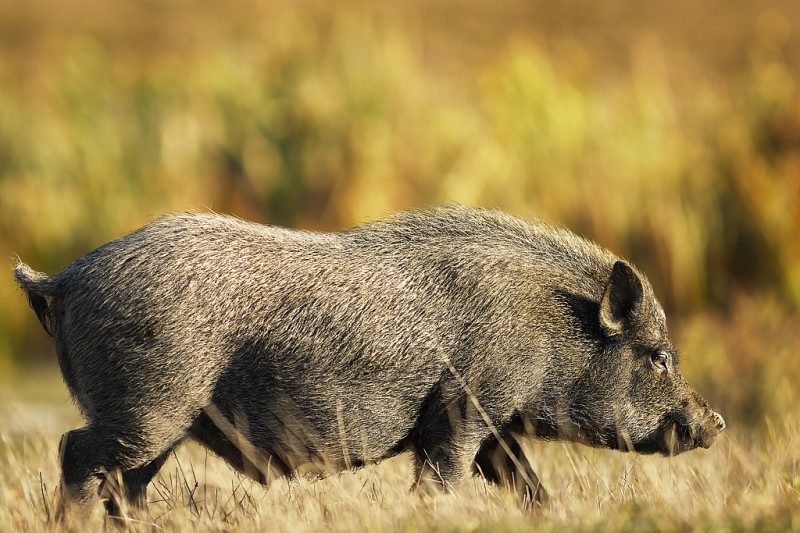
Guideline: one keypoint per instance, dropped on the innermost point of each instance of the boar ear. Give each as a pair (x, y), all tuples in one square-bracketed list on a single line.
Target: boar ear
[(622, 299)]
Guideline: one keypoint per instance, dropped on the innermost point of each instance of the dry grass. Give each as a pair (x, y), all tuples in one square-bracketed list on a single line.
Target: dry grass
[(744, 482)]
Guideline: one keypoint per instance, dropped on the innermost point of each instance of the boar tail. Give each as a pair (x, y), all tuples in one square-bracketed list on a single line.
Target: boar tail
[(37, 287)]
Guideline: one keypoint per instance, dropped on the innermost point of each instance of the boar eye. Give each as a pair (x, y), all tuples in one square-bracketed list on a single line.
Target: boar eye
[(659, 360)]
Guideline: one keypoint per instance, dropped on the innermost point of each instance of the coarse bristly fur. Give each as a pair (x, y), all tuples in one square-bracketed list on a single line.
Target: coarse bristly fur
[(446, 332)]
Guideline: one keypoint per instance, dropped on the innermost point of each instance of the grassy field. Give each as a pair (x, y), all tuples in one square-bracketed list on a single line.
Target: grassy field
[(747, 481), (669, 134)]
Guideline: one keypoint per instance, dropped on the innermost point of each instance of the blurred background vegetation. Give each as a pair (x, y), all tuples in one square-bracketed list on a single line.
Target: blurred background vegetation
[(669, 133)]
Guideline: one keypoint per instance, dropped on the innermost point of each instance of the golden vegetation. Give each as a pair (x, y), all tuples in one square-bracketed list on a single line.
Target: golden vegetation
[(319, 119), (746, 482)]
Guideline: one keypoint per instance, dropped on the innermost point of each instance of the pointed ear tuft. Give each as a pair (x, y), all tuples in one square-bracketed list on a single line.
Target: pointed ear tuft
[(622, 299)]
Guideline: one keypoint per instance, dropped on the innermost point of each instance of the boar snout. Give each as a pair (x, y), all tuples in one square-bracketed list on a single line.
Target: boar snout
[(712, 426), (683, 436), (721, 425)]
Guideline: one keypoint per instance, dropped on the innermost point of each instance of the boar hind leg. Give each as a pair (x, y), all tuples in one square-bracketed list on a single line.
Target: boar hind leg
[(512, 471), (128, 491), (92, 459), (235, 447)]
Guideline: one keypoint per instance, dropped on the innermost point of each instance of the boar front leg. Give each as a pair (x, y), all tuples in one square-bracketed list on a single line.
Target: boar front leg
[(440, 470), (444, 451), (494, 463)]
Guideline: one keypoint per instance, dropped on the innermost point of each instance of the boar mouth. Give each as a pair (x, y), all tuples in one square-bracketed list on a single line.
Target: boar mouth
[(675, 436), (676, 439)]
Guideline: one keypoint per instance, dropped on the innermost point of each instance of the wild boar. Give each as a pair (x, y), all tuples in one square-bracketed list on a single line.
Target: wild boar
[(448, 332)]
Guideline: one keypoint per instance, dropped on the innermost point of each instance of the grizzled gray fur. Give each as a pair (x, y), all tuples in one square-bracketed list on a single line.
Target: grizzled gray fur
[(445, 332)]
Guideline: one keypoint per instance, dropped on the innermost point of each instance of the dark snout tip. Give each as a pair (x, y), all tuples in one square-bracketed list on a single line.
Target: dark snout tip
[(720, 422)]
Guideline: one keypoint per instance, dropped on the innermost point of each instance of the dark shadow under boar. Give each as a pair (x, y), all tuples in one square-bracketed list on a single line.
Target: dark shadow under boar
[(446, 332)]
